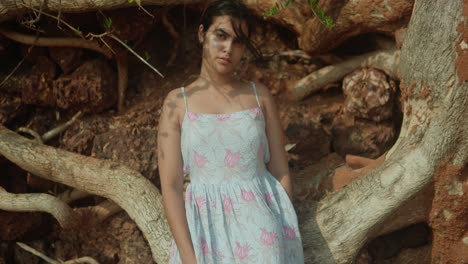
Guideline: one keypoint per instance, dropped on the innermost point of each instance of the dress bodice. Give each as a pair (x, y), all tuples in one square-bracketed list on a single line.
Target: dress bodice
[(217, 148), (220, 147)]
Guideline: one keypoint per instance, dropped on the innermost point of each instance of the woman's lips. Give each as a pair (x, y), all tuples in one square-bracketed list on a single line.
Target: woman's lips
[(224, 61)]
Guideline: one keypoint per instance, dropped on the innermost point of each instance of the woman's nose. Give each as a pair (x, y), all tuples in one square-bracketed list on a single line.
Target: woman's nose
[(228, 46)]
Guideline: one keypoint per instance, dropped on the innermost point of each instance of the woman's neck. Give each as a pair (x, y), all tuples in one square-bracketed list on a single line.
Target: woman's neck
[(216, 79)]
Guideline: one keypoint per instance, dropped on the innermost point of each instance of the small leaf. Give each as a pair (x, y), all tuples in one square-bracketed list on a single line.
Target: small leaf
[(107, 23), (329, 22), (130, 1), (315, 4)]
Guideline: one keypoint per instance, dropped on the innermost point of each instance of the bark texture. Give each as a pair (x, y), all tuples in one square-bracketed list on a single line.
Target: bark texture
[(386, 61), (41, 202), (435, 102), (127, 188), (432, 144)]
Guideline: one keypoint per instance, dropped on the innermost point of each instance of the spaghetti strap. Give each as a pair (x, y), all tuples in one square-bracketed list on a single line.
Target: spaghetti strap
[(185, 98), (226, 157), (255, 91)]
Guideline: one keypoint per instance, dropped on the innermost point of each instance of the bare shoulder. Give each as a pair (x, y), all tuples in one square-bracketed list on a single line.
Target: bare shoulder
[(262, 89), (173, 106), (264, 94)]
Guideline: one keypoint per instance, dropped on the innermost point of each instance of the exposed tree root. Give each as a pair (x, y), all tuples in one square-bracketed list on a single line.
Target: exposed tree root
[(55, 42), (72, 195), (387, 61), (127, 188), (103, 211), (52, 133), (39, 202), (61, 128), (32, 133)]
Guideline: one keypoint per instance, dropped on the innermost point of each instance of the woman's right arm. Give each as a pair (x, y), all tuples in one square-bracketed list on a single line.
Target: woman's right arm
[(171, 175)]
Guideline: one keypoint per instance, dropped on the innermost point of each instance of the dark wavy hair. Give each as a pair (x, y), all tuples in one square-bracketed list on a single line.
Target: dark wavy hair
[(238, 12)]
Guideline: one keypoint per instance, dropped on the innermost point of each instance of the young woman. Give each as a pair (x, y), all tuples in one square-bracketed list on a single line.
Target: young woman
[(226, 135)]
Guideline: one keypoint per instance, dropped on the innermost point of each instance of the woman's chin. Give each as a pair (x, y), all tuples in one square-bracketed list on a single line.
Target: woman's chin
[(224, 70)]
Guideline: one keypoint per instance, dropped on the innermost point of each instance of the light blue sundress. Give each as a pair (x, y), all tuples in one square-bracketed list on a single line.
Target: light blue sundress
[(237, 212)]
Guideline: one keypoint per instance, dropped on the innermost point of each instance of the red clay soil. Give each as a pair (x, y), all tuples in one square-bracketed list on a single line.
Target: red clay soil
[(355, 167), (449, 214)]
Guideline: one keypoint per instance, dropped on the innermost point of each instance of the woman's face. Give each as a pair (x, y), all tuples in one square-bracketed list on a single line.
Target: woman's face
[(222, 49)]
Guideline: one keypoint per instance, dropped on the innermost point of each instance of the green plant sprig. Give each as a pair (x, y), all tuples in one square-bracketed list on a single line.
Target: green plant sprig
[(280, 6)]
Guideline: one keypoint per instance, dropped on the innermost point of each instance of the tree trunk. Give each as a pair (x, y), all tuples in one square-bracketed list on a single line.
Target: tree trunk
[(432, 145)]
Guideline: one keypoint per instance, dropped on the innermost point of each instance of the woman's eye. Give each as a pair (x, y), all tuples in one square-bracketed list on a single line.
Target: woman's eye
[(220, 35)]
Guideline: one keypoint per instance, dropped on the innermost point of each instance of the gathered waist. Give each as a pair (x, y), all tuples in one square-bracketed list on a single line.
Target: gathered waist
[(256, 178)]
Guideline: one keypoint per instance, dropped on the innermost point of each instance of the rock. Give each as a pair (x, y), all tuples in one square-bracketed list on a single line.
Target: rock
[(92, 87), (369, 94), (361, 137)]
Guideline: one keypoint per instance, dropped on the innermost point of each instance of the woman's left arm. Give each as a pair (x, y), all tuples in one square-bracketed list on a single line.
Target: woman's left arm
[(278, 164)]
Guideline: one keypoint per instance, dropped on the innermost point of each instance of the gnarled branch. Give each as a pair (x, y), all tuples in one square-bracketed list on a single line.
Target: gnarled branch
[(33, 202), (127, 188)]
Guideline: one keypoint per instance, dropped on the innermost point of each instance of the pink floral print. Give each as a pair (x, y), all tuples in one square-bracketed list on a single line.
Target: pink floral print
[(247, 196), (289, 233), (205, 247), (236, 210), (227, 203), (192, 116), (256, 112), (200, 202), (242, 251), (223, 117), (200, 160), (269, 197), (231, 159), (268, 238)]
